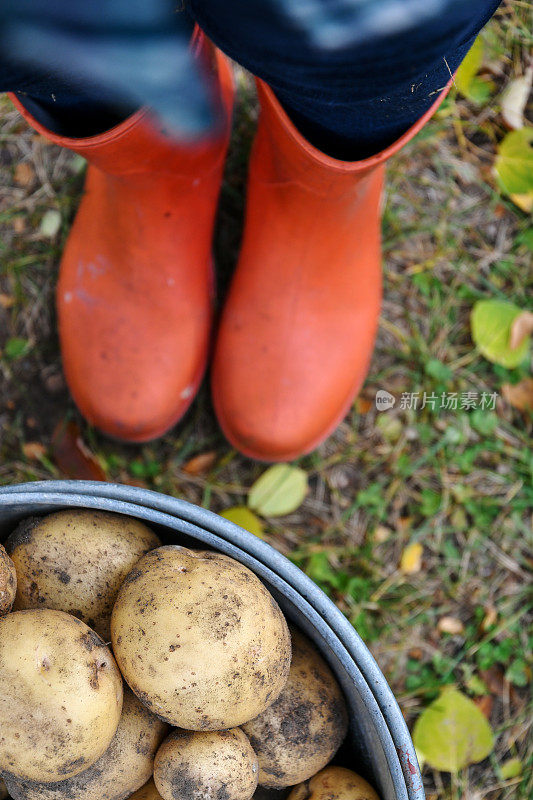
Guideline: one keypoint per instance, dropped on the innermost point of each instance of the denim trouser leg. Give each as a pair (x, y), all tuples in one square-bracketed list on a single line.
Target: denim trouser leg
[(349, 102), (355, 101)]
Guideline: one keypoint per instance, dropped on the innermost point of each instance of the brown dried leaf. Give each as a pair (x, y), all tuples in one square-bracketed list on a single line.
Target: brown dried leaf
[(362, 405), (521, 327), (485, 703), (19, 224), (7, 301), (72, 456), (34, 450), (519, 395), (200, 464), (493, 678), (450, 625), (24, 174)]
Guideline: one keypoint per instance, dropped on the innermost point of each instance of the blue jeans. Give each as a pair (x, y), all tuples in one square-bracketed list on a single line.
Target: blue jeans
[(349, 102)]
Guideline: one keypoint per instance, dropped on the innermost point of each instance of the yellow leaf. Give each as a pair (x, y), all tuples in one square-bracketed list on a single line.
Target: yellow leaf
[(411, 560), (523, 201), (242, 516), (452, 732)]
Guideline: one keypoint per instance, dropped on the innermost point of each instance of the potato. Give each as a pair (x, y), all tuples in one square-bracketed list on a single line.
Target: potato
[(214, 764), (75, 561), (8, 585), (300, 733), (147, 792), (60, 695), (126, 765), (3, 790), (334, 783), (199, 639)]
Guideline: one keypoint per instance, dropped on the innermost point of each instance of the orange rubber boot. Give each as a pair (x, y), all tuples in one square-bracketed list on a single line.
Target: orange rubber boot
[(135, 288), (298, 327)]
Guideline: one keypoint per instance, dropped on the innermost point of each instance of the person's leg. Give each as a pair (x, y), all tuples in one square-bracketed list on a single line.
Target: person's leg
[(298, 326), (61, 105), (135, 289), (357, 99)]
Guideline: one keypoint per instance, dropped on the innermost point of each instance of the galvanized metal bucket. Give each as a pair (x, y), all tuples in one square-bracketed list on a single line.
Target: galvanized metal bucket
[(379, 745)]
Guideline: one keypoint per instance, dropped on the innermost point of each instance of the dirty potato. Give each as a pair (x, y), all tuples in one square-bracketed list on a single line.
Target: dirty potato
[(334, 783), (75, 561), (125, 766), (199, 639), (3, 790), (8, 585), (215, 764), (302, 730), (60, 695), (147, 792)]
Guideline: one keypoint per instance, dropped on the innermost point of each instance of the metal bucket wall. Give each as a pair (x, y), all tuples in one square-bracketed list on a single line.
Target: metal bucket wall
[(379, 745)]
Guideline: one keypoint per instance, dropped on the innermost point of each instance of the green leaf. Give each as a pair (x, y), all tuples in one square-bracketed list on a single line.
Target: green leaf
[(242, 516), (279, 491), (511, 769), (514, 162), (16, 348), (452, 732), (491, 322), (464, 77)]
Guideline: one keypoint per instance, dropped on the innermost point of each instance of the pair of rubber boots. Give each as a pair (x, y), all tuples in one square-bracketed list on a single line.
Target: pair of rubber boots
[(135, 291)]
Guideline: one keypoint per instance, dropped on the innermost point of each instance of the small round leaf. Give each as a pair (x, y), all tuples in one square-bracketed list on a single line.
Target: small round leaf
[(279, 491)]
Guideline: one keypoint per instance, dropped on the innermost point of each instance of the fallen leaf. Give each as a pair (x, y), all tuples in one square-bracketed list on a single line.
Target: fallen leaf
[(381, 534), (491, 322), (514, 162), (362, 405), (244, 518), (521, 328), (50, 223), (469, 68), (519, 395), (279, 491), (7, 301), (34, 450), (450, 625), (490, 618), (72, 456), (198, 465), (511, 769), (485, 704), (523, 201), (514, 100), (403, 524), (19, 224), (411, 560), (452, 732), (24, 174), (494, 680)]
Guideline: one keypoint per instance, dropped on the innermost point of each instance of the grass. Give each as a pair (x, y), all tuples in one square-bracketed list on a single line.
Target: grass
[(458, 482)]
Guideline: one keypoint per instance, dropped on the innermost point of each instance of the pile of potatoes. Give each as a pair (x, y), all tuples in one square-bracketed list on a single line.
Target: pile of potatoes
[(133, 669)]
